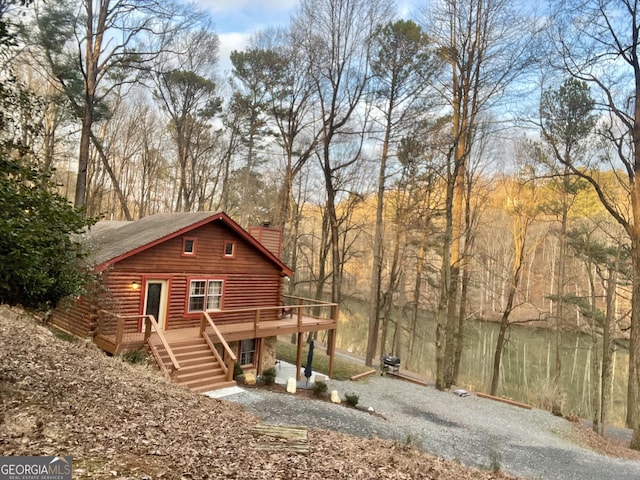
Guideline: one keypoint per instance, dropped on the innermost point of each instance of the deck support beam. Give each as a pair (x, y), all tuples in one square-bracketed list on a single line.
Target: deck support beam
[(260, 351), (299, 356), (331, 350)]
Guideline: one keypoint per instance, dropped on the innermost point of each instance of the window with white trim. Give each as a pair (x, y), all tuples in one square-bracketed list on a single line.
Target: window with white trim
[(205, 295), (248, 352)]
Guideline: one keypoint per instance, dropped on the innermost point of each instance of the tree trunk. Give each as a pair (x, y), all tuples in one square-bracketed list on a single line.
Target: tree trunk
[(633, 408), (462, 318), (561, 279), (607, 349), (415, 304), (441, 315), (497, 356), (462, 315), (83, 155), (114, 179)]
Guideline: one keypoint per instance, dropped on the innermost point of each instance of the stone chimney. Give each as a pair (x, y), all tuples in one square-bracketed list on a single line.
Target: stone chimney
[(270, 237)]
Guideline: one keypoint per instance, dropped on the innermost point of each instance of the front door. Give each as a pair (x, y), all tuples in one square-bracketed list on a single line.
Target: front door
[(155, 302)]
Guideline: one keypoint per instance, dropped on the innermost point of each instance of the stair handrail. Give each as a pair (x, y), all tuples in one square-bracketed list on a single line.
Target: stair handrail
[(231, 357), (150, 321)]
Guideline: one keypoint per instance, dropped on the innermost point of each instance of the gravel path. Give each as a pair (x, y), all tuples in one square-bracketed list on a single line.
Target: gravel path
[(477, 432)]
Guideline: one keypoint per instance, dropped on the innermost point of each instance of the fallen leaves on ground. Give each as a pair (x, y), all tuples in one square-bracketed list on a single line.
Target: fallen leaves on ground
[(120, 421)]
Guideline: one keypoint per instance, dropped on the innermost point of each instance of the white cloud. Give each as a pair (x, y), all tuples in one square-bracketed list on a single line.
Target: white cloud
[(228, 43), (237, 20), (217, 6)]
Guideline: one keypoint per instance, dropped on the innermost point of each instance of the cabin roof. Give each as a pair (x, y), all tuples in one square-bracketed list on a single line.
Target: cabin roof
[(111, 241)]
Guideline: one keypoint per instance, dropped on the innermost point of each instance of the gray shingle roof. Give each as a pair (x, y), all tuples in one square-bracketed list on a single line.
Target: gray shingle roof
[(108, 240)]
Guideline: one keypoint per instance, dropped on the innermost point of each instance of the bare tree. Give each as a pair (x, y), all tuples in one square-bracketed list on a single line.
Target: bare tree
[(91, 47), (566, 123), (604, 258), (598, 41), (486, 45), (523, 208), (185, 89), (334, 35), (403, 64)]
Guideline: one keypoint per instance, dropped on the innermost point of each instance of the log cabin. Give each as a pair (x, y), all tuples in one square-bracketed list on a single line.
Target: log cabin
[(197, 291)]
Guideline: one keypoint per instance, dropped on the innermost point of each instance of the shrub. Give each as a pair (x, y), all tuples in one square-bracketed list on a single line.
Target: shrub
[(62, 335), (40, 250), (549, 397), (319, 388), (351, 399), (237, 370), (135, 357), (269, 376)]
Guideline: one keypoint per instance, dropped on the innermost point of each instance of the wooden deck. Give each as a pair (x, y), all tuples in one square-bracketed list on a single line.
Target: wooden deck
[(232, 332), (216, 330), (124, 335)]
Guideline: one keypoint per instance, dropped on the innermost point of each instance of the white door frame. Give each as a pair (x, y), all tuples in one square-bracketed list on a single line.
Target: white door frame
[(164, 296)]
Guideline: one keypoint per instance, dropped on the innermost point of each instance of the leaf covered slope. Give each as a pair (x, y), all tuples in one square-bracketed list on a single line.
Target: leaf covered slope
[(123, 421)]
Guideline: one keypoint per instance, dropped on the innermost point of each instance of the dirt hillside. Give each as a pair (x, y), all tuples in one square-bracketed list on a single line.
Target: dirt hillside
[(120, 421)]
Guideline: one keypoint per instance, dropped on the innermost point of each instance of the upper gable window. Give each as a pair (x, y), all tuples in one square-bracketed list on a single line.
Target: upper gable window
[(229, 249), (188, 246)]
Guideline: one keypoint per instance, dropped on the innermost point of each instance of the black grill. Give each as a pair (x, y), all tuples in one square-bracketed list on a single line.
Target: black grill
[(391, 363)]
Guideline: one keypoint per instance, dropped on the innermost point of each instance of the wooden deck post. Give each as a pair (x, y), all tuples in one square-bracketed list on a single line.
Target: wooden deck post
[(335, 310), (300, 303), (331, 347), (119, 333), (202, 326), (259, 349), (256, 322), (299, 357), (147, 328)]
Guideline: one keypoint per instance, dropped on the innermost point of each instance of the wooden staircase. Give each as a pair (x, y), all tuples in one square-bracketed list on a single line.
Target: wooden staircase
[(199, 370)]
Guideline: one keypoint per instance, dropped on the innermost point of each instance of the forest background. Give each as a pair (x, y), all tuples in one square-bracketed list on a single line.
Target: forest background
[(476, 160)]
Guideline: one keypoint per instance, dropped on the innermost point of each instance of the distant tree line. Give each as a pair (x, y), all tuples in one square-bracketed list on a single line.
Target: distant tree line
[(372, 141)]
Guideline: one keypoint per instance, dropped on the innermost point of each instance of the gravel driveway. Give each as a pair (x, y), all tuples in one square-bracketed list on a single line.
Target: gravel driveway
[(476, 432)]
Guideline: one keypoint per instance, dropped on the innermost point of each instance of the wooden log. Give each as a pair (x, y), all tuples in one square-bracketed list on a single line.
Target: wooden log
[(407, 378), (282, 437), (504, 400), (362, 375)]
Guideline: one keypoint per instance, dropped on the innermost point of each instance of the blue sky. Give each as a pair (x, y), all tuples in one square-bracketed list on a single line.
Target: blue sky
[(236, 20)]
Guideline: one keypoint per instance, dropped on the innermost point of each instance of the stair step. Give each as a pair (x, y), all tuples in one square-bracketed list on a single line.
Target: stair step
[(188, 355), (185, 377), (177, 350), (201, 367), (192, 355), (199, 382), (200, 370), (179, 344), (213, 386), (190, 362)]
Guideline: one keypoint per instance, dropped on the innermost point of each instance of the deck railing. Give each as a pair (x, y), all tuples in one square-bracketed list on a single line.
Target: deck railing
[(299, 308), (205, 321), (151, 326), (315, 308), (120, 330)]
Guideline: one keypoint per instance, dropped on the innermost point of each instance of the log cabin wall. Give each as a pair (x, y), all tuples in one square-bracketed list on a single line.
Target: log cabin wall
[(76, 316), (81, 316), (249, 278)]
